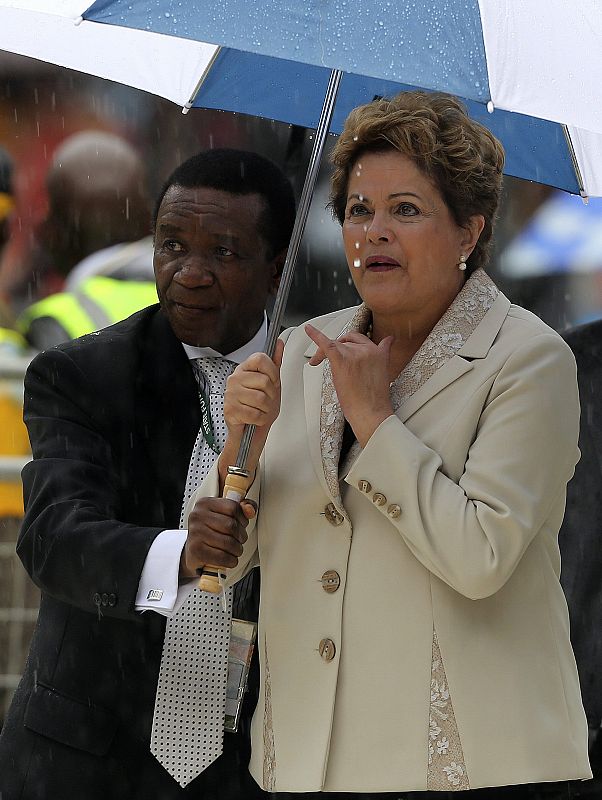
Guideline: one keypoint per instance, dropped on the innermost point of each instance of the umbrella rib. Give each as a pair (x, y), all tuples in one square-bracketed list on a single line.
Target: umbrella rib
[(576, 167), (186, 108)]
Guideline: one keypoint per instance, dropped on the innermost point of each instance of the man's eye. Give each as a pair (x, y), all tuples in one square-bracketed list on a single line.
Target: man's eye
[(407, 210), (225, 252), (173, 245)]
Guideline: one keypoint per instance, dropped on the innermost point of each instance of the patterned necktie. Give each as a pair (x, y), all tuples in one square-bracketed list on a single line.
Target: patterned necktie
[(188, 723)]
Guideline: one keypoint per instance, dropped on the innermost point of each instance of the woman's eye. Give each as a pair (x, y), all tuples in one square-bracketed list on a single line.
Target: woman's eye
[(407, 210), (357, 210), (225, 252)]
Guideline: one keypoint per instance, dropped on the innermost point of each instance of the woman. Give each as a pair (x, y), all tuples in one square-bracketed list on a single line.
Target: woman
[(413, 635)]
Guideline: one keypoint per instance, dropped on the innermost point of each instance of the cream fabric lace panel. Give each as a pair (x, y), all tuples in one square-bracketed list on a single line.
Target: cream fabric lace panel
[(446, 769), (447, 337), (269, 751)]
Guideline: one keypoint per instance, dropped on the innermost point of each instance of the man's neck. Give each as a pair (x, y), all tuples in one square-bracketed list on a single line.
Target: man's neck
[(254, 345)]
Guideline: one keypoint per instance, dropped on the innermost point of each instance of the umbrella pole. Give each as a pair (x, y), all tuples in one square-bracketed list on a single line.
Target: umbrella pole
[(238, 479)]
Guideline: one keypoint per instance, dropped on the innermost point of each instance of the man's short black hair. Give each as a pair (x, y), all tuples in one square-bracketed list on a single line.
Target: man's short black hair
[(241, 172)]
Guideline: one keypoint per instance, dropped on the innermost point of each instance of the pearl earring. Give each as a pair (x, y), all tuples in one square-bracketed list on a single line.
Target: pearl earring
[(462, 264)]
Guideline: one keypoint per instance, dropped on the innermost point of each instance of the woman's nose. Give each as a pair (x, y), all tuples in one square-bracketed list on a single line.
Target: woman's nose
[(378, 230)]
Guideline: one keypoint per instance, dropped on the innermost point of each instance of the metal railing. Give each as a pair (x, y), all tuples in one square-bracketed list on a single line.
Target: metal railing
[(13, 368), (11, 466)]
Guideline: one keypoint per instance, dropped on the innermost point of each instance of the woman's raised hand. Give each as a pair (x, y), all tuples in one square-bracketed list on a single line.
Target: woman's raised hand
[(360, 370), (252, 398)]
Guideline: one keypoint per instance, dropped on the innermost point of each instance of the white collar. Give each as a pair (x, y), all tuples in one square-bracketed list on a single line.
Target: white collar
[(255, 345)]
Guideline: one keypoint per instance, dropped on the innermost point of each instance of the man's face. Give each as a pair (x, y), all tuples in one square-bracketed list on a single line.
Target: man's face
[(212, 266)]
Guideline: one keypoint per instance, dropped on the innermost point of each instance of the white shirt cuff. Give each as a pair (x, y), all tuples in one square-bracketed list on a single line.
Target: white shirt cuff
[(159, 588)]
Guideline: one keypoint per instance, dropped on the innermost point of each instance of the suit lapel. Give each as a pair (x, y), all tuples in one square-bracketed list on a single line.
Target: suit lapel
[(168, 414)]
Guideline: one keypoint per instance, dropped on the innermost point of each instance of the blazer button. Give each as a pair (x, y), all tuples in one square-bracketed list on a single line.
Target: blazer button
[(394, 511), (327, 649), (332, 515), (378, 499), (364, 486), (331, 580)]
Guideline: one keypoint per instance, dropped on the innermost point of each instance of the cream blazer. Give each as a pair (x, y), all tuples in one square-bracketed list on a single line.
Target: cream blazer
[(413, 633)]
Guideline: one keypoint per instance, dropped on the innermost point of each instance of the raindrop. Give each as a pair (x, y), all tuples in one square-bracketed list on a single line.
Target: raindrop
[(357, 263), (357, 245)]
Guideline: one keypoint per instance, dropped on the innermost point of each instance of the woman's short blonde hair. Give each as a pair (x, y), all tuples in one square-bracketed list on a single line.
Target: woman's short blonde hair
[(462, 158)]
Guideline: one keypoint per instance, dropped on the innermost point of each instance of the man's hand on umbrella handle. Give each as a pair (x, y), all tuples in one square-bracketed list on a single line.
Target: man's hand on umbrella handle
[(216, 534)]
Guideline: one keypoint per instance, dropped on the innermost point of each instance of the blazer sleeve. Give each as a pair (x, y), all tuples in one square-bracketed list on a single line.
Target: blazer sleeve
[(73, 542), (472, 533)]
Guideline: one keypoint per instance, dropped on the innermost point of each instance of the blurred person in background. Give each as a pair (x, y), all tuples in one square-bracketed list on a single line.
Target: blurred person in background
[(98, 208), (413, 630), (581, 537)]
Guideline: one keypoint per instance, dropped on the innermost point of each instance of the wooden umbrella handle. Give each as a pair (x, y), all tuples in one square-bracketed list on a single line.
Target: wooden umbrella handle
[(235, 488)]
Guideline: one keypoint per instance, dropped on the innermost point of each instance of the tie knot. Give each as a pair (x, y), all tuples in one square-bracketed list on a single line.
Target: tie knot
[(212, 372)]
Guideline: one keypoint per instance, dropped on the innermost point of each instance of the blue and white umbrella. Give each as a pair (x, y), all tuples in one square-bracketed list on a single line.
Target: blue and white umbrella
[(530, 70)]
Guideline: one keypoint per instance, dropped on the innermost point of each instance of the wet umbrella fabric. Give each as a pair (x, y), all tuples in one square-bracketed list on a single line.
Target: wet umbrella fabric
[(516, 57), (276, 57)]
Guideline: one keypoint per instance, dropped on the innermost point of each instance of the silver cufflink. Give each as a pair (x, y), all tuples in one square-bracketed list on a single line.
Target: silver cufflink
[(155, 594)]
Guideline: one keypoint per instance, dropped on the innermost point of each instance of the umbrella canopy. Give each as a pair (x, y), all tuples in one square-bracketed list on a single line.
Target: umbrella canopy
[(505, 60), (53, 32)]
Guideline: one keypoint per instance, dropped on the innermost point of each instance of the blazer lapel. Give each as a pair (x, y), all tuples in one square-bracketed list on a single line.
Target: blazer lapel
[(324, 418), (466, 331), (312, 389), (168, 414)]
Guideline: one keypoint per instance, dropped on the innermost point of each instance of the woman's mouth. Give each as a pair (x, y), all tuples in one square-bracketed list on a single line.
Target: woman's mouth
[(378, 263)]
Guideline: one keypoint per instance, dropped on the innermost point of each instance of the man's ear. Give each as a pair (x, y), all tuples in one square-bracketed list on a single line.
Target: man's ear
[(277, 267)]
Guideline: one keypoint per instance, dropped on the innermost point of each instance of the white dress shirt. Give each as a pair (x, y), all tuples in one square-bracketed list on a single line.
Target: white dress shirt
[(160, 588)]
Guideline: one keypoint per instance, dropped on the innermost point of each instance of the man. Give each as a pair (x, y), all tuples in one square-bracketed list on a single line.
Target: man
[(97, 199), (580, 541), (113, 418)]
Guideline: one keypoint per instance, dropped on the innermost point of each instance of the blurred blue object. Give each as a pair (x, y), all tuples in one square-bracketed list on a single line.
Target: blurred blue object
[(564, 235)]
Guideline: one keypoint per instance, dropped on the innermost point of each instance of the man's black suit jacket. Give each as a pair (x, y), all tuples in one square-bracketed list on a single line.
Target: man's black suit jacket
[(581, 533), (112, 419)]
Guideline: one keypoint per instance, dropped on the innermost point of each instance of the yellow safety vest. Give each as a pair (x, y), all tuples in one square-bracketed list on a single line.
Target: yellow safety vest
[(11, 342), (98, 302)]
